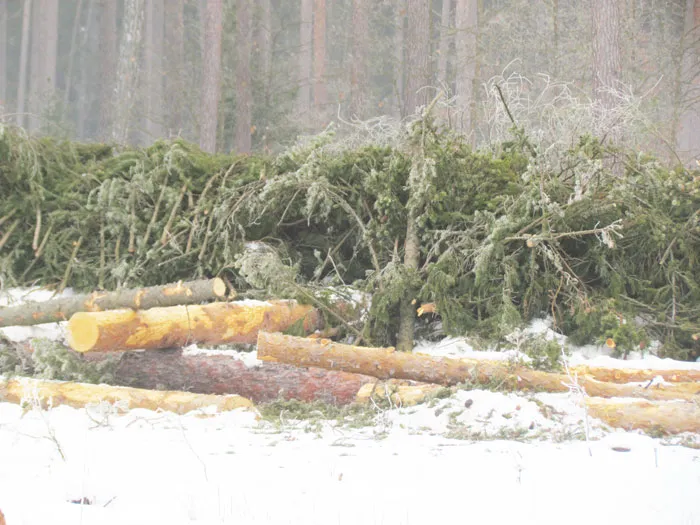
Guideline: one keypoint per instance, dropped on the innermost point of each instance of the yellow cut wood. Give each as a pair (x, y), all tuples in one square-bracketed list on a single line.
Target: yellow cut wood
[(383, 363), (80, 395), (631, 375), (401, 393), (178, 326), (671, 417)]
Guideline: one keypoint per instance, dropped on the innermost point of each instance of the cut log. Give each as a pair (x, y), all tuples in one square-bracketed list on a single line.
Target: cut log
[(631, 375), (219, 373), (80, 395), (178, 326), (401, 393), (668, 417), (142, 298), (387, 364)]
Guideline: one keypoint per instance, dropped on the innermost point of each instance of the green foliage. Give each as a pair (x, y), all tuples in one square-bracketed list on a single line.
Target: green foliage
[(53, 360)]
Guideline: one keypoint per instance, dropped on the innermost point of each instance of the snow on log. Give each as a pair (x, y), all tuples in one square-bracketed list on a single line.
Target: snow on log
[(384, 363), (669, 417), (79, 395), (140, 298), (632, 375), (219, 373), (178, 326)]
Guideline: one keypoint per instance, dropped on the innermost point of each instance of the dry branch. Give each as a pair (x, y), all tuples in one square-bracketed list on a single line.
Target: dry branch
[(62, 309), (670, 417), (80, 395), (386, 364), (178, 326)]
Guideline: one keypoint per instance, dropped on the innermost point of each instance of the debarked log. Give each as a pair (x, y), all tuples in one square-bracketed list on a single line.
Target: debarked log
[(46, 393), (63, 308), (178, 326), (667, 417), (384, 363), (219, 373), (633, 375)]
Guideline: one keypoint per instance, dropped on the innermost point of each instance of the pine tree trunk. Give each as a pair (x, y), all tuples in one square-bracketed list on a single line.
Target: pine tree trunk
[(175, 64), (445, 38), (407, 311), (23, 63), (263, 36), (128, 69), (305, 57), (88, 96), (320, 92), (688, 134), (153, 54), (43, 62), (417, 55), (606, 50), (3, 56), (358, 66), (108, 65), (211, 81), (466, 42), (399, 56), (244, 81)]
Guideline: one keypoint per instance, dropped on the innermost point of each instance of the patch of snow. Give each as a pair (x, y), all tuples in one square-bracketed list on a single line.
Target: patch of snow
[(459, 347)]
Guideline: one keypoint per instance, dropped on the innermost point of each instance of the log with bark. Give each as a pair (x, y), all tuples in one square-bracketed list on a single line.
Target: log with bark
[(668, 417), (631, 375), (219, 373), (178, 326), (384, 363), (79, 395), (140, 298)]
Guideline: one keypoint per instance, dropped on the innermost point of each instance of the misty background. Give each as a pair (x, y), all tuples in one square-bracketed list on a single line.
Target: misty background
[(243, 75)]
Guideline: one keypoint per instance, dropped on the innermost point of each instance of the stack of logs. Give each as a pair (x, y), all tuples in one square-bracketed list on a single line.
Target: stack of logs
[(150, 327)]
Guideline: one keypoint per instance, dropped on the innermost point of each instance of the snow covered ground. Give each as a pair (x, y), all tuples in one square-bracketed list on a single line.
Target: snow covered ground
[(474, 457)]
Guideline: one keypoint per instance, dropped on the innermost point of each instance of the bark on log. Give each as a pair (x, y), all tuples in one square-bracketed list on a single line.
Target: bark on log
[(178, 326), (141, 298), (224, 374), (387, 364), (631, 375), (670, 417), (80, 395)]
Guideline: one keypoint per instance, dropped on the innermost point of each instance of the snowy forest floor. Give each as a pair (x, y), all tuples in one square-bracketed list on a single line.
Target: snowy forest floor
[(476, 456)]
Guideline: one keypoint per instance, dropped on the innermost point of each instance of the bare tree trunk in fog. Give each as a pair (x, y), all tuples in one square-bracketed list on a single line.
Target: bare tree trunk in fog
[(358, 59), (244, 87), (400, 20), (71, 57), (445, 38), (606, 50), (211, 81), (43, 61), (467, 22), (555, 37), (23, 62), (689, 125), (305, 56), (88, 87), (153, 54), (264, 40), (108, 65), (127, 69), (3, 54), (174, 64), (320, 93), (417, 55)]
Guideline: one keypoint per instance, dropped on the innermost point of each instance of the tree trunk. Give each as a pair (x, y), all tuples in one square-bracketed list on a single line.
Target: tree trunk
[(689, 122), (153, 54), (108, 65), (174, 67), (385, 363), (82, 395), (445, 38), (407, 314), (401, 393), (217, 373), (466, 51), (305, 57), (630, 375), (43, 61), (606, 50), (178, 326), (211, 81), (3, 56), (399, 57), (264, 42), (244, 82), (23, 62), (417, 56), (668, 417), (142, 298), (320, 92), (359, 81), (127, 69)]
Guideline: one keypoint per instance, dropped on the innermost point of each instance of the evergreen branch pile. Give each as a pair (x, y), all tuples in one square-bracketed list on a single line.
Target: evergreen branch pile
[(603, 241)]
